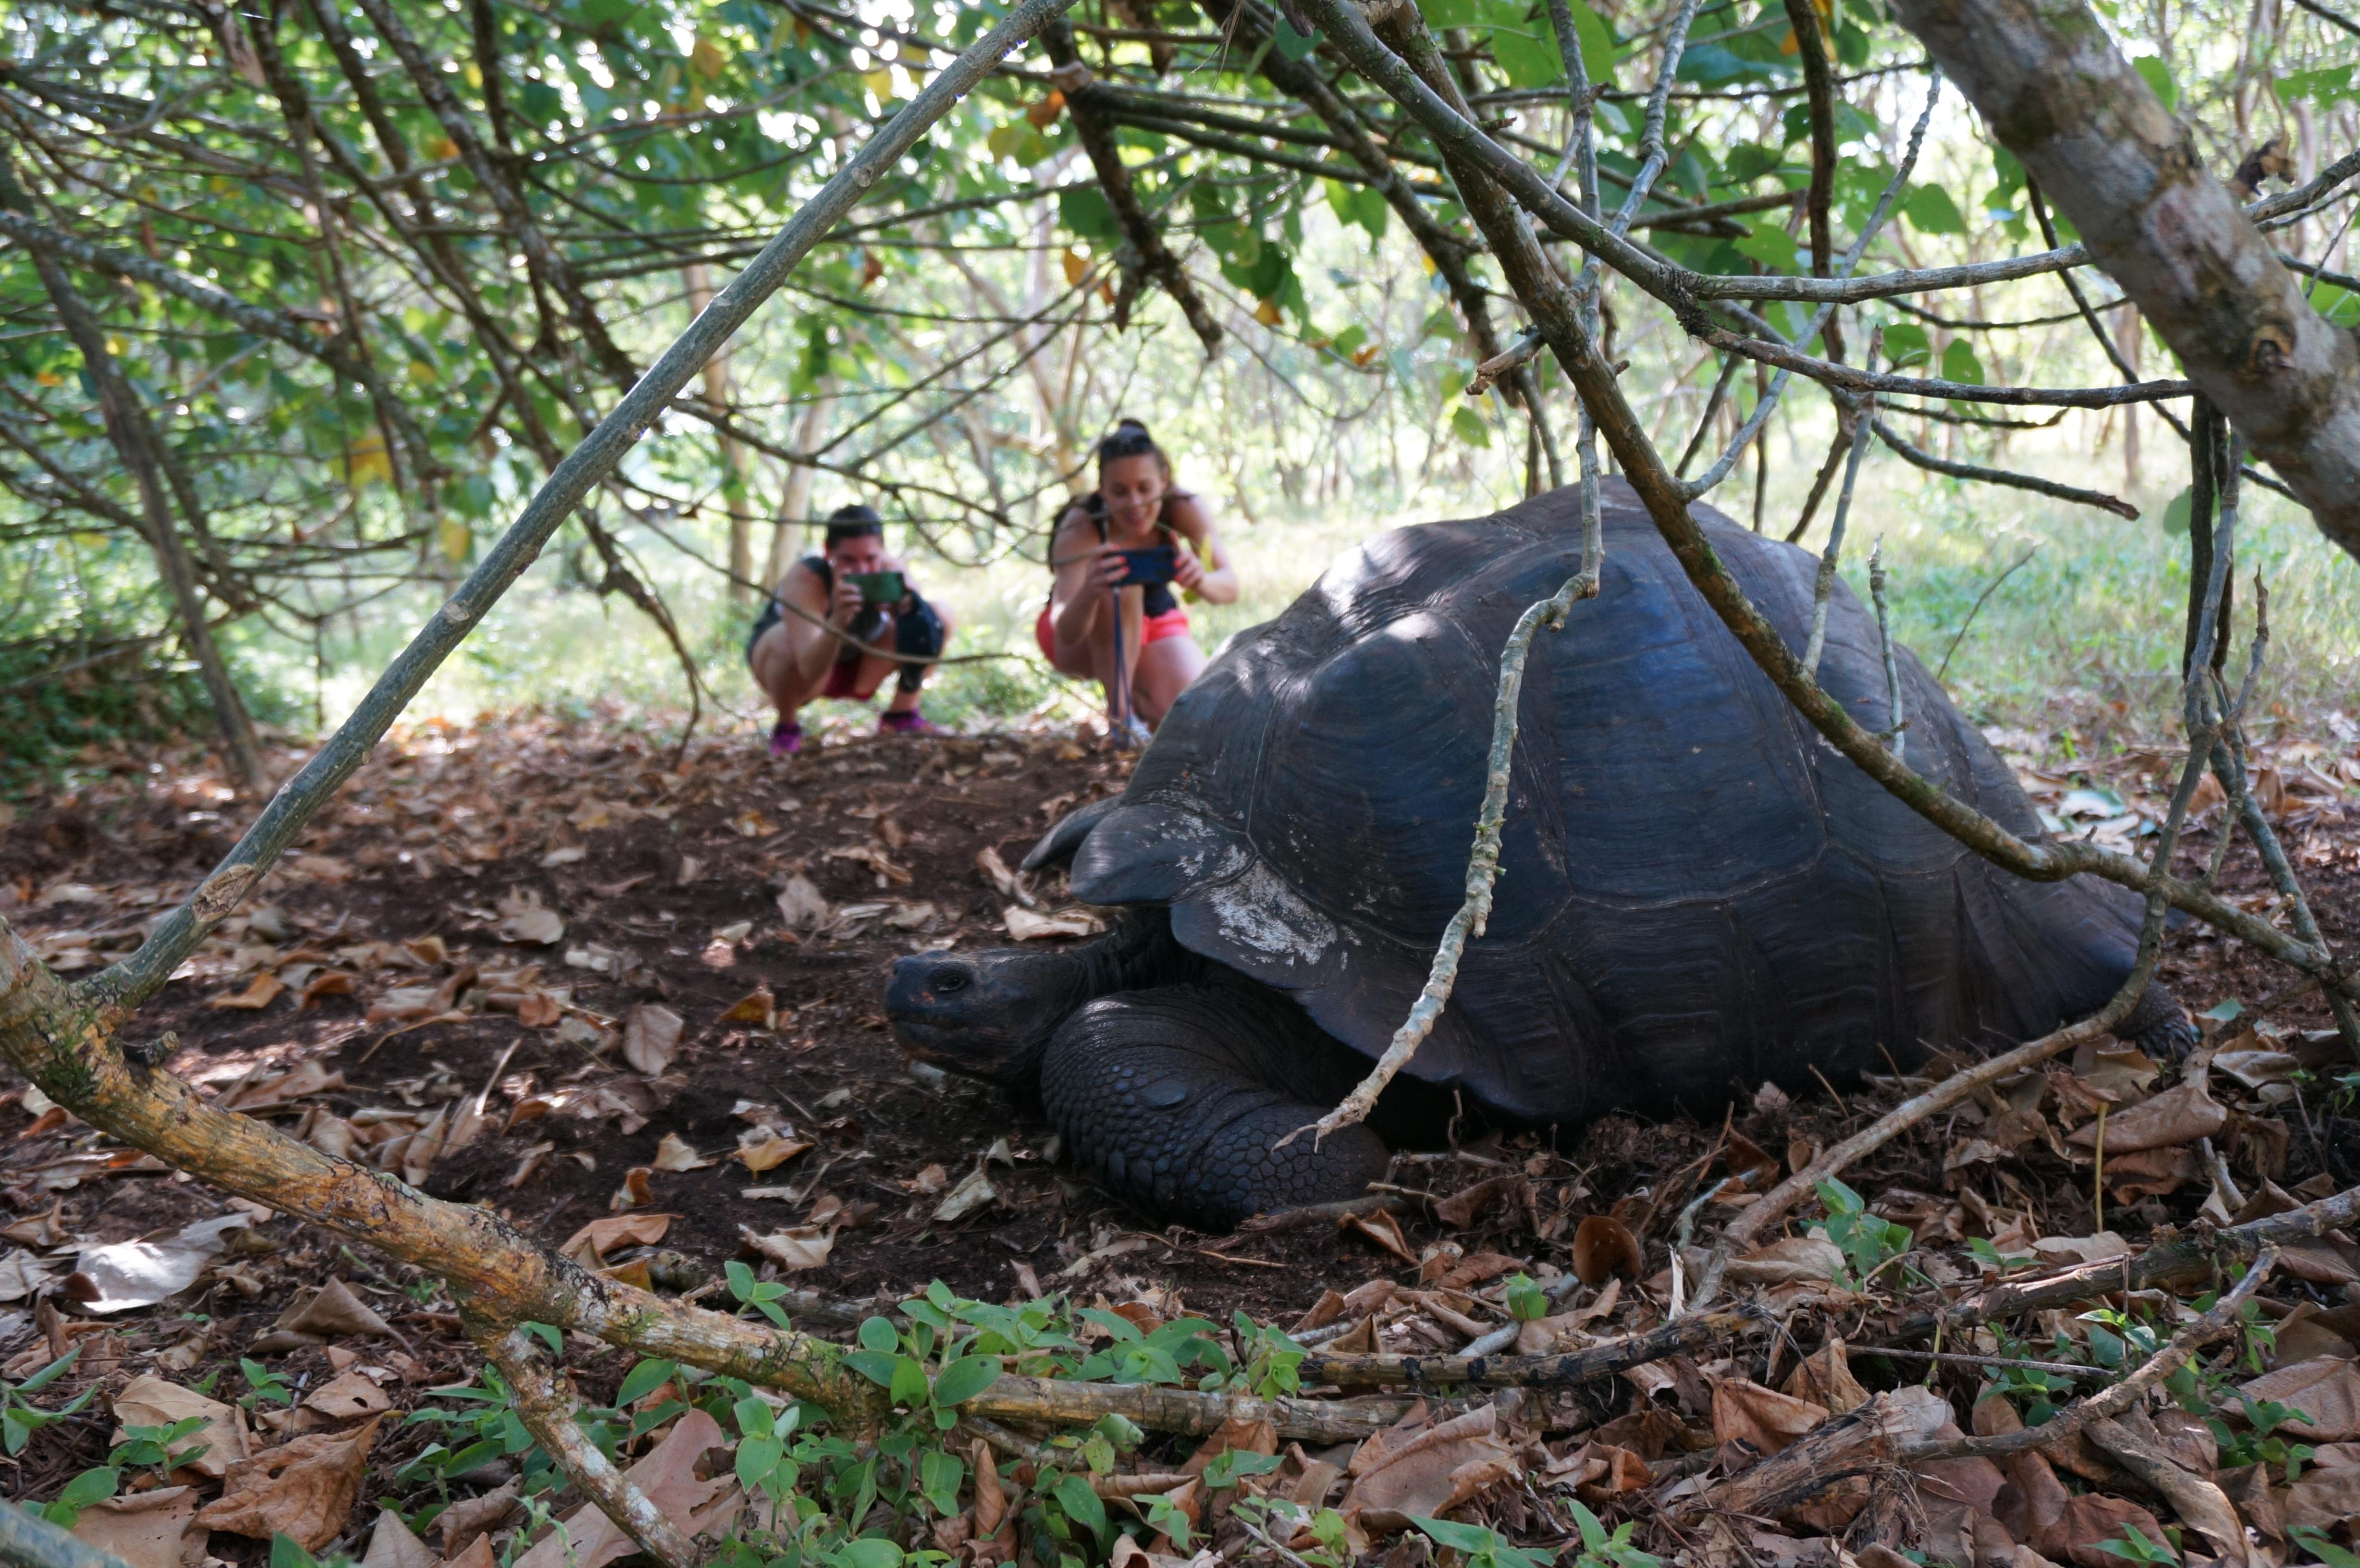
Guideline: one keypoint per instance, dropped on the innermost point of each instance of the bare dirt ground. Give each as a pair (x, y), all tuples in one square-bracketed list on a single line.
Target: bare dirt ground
[(538, 966)]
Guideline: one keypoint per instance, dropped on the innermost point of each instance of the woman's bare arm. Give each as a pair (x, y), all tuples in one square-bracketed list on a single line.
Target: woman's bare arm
[(1217, 580), (1075, 597)]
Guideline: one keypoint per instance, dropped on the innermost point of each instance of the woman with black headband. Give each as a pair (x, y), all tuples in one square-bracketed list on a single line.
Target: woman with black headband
[(840, 623), (1118, 554)]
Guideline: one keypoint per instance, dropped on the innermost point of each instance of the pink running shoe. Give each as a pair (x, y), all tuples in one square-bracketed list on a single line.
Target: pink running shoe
[(787, 739), (911, 723)]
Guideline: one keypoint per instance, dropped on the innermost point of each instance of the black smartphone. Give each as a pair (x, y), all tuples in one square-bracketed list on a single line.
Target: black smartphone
[(879, 587), (1149, 567)]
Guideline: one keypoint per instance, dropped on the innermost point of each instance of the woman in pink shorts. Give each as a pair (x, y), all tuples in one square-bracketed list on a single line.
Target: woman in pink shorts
[(1135, 508)]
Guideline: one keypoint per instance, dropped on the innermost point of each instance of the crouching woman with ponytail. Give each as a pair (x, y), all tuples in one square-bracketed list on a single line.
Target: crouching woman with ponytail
[(1118, 555)]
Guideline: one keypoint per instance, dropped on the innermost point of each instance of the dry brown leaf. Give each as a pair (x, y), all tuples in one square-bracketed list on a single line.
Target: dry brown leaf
[(1438, 1469), (327, 983), (650, 1037), (302, 1489), (1604, 1248), (635, 1192), (2324, 1498), (668, 1478), (152, 1402), (1762, 1420), (589, 1245), (145, 1530), (990, 1502), (802, 906), (347, 1395), (1790, 1260), (2178, 1115), (758, 1007), (332, 1310), (260, 992), (392, 1544), (1381, 1228), (472, 1519), (976, 1191), (1248, 1435), (769, 1153), (1028, 925), (1825, 1378), (38, 1230), (676, 1153), (2324, 1392), (1463, 1208), (2093, 1518), (796, 1248), (2033, 1503), (127, 1274)]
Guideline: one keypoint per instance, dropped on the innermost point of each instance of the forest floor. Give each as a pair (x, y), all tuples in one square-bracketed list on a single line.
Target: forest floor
[(635, 1006)]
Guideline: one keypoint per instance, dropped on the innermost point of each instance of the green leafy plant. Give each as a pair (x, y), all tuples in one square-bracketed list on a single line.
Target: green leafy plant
[(1867, 1241), (1603, 1548), (262, 1385), (2134, 1546), (1527, 1302), (2315, 1542), (20, 1418), (1482, 1548)]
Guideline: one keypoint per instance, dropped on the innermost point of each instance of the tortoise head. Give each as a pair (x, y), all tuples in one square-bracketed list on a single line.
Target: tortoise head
[(985, 1014)]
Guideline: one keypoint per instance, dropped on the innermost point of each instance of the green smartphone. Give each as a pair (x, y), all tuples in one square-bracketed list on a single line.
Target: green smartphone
[(879, 587)]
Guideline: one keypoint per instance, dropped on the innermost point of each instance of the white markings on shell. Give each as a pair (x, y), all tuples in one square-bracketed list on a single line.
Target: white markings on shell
[(1261, 911)]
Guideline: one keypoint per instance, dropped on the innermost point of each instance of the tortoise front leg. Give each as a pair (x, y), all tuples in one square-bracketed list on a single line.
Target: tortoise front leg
[(1174, 1099)]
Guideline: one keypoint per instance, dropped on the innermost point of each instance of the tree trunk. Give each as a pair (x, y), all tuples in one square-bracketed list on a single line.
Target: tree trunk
[(2057, 94), (734, 494), (140, 446)]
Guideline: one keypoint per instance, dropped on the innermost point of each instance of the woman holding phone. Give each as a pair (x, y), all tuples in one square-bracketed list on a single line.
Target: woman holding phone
[(1119, 553), (840, 623)]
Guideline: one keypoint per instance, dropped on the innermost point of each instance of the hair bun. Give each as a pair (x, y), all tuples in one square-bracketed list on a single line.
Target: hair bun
[(1126, 423)]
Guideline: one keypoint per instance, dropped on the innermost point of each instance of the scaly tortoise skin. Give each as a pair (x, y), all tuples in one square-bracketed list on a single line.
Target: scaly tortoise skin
[(1697, 893)]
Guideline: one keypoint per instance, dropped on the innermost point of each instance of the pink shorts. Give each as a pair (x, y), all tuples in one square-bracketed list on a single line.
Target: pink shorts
[(1172, 622)]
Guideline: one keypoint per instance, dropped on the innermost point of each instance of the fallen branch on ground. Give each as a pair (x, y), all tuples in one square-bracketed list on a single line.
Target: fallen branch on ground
[(2122, 1397)]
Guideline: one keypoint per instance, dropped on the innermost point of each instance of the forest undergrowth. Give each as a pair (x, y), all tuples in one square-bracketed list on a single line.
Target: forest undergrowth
[(530, 963)]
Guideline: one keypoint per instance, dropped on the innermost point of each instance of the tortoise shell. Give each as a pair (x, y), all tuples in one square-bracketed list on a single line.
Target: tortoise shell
[(1697, 893)]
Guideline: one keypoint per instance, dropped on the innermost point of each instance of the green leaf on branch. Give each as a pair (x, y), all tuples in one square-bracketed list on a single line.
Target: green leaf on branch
[(1083, 210), (2158, 74), (1905, 343), (1930, 209), (1469, 426), (1960, 364), (1081, 1504)]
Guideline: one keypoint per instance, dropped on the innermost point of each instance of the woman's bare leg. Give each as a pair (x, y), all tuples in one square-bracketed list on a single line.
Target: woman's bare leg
[(1163, 669)]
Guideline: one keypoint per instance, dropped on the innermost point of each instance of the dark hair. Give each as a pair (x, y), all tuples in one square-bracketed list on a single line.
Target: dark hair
[(1130, 439), (852, 522)]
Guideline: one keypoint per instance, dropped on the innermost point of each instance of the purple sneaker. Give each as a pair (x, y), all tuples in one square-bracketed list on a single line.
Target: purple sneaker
[(911, 722), (786, 739)]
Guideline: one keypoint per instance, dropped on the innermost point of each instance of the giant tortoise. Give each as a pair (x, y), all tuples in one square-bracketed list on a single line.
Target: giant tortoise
[(1697, 893)]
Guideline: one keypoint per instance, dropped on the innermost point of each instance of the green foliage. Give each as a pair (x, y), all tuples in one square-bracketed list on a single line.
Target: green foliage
[(20, 1418), (1526, 1301), (1866, 1241), (1481, 1547), (2134, 1546)]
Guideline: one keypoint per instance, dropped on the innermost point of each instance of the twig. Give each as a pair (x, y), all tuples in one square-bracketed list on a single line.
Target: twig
[(1919, 457), (2117, 1400), (548, 1408), (1679, 1337), (2177, 1262), (1823, 586), (1962, 1358), (1895, 721), (1980, 600), (1483, 861)]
